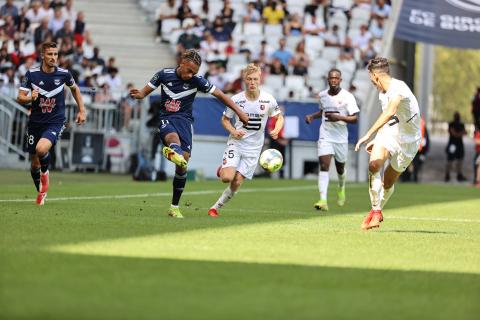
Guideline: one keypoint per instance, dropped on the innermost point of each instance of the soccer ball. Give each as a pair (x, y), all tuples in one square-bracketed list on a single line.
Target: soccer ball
[(271, 160)]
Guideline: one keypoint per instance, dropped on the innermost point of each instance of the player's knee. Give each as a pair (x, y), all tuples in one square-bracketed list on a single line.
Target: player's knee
[(226, 179), (41, 150), (374, 166), (323, 167)]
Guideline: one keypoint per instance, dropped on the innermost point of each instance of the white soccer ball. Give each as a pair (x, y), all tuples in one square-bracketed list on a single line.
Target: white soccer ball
[(271, 160)]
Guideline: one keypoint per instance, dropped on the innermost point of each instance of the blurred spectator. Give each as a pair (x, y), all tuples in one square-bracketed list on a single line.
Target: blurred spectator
[(369, 52), (184, 11), (65, 32), (334, 37), (219, 31), (127, 106), (56, 23), (361, 40), (216, 76), (66, 48), (476, 137), (166, 10), (22, 69), (34, 15), (273, 13), (377, 28), (210, 50), (41, 32), (68, 13), (114, 81), (96, 59), (300, 53), (188, 40), (314, 27), (455, 150), (276, 67), (283, 53), (9, 9), (381, 9), (88, 46), (9, 27), (204, 13), (294, 26), (235, 86), (226, 14), (476, 108), (265, 49), (300, 67), (21, 19), (79, 30), (45, 9), (104, 95), (251, 13)]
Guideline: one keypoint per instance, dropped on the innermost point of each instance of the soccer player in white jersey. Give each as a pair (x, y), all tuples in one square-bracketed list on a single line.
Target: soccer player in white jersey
[(337, 108), (245, 142), (397, 139)]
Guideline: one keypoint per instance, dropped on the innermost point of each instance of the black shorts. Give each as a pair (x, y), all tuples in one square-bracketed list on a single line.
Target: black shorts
[(455, 152), (50, 131)]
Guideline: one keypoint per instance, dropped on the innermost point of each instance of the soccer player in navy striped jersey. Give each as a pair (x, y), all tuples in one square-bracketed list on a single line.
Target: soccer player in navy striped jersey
[(47, 118), (178, 89)]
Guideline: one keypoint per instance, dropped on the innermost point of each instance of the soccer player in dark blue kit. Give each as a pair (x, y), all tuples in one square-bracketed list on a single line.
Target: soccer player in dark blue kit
[(47, 118), (178, 89)]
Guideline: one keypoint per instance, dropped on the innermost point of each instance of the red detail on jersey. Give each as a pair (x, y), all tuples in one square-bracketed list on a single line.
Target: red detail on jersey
[(47, 104), (172, 105)]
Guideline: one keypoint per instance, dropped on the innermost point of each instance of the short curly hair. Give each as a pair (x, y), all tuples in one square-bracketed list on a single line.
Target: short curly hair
[(250, 68), (379, 64)]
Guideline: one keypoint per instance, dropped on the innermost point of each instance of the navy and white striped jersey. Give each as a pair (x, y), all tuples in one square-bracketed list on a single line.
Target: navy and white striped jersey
[(49, 107), (177, 94)]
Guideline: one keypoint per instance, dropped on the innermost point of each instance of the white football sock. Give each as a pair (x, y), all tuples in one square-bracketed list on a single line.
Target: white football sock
[(341, 179), (323, 179), (374, 188), (224, 198), (386, 194)]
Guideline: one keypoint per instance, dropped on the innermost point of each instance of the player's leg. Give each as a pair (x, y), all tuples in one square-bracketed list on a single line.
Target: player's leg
[(341, 153), (325, 152), (378, 156), (32, 138), (35, 171), (227, 194), (42, 150), (173, 149), (178, 184), (390, 176)]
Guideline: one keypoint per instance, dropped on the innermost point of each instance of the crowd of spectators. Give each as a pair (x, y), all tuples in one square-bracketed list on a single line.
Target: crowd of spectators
[(25, 25), (284, 37)]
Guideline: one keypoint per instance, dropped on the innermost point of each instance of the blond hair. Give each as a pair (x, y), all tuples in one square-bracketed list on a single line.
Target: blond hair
[(251, 68)]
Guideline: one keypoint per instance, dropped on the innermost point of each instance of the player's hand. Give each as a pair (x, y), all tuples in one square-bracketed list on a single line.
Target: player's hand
[(274, 134), (135, 93), (81, 117), (308, 118), (369, 147), (34, 94), (362, 140), (243, 117), (238, 134), (333, 117)]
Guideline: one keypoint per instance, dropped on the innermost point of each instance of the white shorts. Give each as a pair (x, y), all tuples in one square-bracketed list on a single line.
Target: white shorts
[(401, 154), (339, 150), (245, 163)]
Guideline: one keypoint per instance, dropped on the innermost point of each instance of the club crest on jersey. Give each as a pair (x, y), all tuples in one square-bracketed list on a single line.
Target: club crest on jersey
[(47, 104), (262, 107), (185, 86), (57, 82)]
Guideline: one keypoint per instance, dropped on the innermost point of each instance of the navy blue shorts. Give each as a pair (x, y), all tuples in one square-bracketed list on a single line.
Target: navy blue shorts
[(50, 131), (183, 127)]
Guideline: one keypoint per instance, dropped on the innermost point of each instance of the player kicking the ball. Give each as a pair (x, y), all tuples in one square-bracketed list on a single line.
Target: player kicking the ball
[(246, 141), (178, 89), (398, 137), (47, 118), (337, 108)]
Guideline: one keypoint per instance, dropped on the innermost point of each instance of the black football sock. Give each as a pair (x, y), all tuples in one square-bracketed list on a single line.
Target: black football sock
[(45, 162), (179, 182), (36, 177)]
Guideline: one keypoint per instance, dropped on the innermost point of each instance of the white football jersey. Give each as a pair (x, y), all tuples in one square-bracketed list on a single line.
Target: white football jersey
[(343, 103), (258, 111), (405, 125)]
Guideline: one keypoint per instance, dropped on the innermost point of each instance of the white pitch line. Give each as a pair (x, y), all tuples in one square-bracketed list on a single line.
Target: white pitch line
[(166, 194)]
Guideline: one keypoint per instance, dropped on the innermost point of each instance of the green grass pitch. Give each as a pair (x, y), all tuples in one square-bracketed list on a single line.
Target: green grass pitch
[(103, 248)]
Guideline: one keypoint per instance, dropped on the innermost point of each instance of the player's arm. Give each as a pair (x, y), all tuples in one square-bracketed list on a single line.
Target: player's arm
[(217, 93), (82, 113), (278, 126), (333, 117), (310, 117), (142, 93), (386, 115), (24, 97), (227, 124)]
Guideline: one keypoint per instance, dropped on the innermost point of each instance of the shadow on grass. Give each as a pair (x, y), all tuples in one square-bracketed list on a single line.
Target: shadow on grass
[(92, 287), (418, 231)]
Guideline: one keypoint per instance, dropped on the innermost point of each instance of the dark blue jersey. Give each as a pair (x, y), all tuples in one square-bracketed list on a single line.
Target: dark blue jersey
[(49, 107), (177, 94)]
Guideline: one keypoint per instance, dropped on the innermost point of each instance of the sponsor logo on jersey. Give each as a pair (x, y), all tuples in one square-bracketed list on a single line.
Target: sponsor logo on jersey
[(47, 104), (57, 82), (172, 105), (241, 101), (264, 101)]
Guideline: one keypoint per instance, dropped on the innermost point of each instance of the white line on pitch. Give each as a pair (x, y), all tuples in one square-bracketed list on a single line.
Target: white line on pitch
[(166, 194)]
